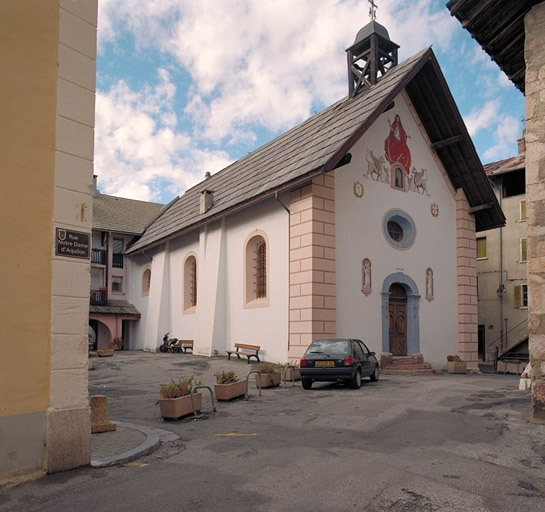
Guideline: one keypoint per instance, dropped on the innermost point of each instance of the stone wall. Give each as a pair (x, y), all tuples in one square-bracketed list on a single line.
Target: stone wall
[(535, 189)]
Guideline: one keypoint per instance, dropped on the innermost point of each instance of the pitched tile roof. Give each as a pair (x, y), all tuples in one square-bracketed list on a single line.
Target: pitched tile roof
[(509, 164), (317, 145), (122, 215), (115, 307)]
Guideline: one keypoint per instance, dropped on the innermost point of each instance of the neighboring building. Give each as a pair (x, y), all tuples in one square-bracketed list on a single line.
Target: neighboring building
[(117, 222), (511, 32), (501, 266), (47, 98), (360, 222)]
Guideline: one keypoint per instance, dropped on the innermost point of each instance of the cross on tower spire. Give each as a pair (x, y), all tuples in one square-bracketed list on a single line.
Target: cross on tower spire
[(372, 10)]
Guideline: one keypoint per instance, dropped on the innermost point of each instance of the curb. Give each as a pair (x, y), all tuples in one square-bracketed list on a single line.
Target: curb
[(154, 437)]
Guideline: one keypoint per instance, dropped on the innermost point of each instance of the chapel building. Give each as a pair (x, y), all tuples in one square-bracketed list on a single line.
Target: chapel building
[(360, 222)]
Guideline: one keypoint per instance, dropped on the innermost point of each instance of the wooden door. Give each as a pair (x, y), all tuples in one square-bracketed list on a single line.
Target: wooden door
[(398, 320)]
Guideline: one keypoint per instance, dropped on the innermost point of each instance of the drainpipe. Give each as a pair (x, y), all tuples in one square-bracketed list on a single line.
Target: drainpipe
[(276, 196)]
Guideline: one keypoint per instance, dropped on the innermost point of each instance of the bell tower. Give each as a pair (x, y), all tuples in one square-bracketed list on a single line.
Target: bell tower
[(371, 56)]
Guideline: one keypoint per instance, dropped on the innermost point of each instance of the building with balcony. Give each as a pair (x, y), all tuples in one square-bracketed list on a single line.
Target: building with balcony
[(502, 266), (116, 223)]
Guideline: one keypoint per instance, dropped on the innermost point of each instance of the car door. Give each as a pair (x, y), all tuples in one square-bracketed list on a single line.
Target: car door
[(368, 365)]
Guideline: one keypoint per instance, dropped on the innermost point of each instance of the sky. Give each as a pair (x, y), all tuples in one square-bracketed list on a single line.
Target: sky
[(186, 87)]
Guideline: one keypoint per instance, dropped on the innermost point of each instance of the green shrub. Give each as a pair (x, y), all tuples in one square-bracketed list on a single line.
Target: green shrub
[(226, 377), (178, 388)]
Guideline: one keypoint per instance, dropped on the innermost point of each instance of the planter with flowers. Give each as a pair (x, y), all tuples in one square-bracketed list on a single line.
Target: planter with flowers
[(229, 386), (269, 373), (455, 364), (176, 400)]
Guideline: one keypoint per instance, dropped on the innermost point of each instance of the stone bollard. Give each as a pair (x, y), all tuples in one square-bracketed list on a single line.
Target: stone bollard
[(99, 415)]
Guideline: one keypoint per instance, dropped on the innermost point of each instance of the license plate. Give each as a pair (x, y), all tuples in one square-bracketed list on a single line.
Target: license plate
[(325, 363)]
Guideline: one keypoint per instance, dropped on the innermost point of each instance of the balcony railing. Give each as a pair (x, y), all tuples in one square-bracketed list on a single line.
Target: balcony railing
[(98, 256), (117, 260), (99, 297)]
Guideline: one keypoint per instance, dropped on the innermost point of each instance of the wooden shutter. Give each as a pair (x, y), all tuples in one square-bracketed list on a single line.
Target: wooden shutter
[(516, 296)]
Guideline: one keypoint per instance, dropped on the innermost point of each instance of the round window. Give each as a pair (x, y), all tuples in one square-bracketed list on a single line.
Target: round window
[(395, 230), (399, 229)]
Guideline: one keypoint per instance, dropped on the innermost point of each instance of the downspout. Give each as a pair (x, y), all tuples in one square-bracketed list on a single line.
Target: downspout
[(277, 198)]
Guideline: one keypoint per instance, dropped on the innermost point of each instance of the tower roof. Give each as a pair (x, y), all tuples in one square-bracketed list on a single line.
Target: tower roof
[(372, 28)]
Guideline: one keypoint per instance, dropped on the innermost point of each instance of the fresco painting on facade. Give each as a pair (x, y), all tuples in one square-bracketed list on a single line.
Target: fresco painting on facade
[(366, 276), (396, 148), (398, 174), (429, 284)]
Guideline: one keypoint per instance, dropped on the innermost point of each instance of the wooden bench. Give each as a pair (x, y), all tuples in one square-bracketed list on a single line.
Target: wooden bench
[(183, 346), (242, 349)]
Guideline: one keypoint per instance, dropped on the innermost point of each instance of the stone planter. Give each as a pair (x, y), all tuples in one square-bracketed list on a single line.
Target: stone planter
[(105, 352), (268, 380), (174, 408), (456, 367), (230, 391)]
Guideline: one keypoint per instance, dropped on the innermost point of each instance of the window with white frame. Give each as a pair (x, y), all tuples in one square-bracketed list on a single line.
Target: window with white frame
[(117, 284), (520, 299)]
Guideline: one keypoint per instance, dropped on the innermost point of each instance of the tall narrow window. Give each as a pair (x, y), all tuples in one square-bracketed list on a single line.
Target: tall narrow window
[(523, 210), (261, 271), (481, 248), (520, 296), (523, 250), (117, 256), (146, 282), (256, 271), (190, 282)]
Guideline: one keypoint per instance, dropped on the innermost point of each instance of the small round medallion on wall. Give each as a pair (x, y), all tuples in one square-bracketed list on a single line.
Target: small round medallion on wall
[(358, 189), (434, 209)]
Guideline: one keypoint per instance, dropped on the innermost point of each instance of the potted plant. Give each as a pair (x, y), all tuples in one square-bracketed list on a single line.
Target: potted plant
[(175, 400), (106, 352), (117, 343), (228, 385), (455, 364), (269, 373)]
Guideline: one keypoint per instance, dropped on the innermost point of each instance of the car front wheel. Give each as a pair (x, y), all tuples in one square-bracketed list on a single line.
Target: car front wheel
[(374, 375), (306, 383), (356, 380)]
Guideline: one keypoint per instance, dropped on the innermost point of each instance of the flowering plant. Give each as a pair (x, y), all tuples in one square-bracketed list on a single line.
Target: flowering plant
[(455, 357)]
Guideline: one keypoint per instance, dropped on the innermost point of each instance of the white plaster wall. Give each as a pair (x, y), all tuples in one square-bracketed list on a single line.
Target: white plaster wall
[(220, 318), (266, 326), (359, 232)]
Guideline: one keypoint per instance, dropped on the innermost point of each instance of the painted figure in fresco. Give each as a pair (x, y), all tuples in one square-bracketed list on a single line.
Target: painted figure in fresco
[(366, 276), (376, 167), (395, 145), (429, 284)]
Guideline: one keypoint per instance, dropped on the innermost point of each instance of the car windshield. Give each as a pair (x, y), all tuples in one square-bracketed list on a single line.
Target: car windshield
[(328, 347)]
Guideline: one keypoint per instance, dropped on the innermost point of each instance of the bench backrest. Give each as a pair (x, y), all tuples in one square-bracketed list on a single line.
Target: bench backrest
[(247, 347)]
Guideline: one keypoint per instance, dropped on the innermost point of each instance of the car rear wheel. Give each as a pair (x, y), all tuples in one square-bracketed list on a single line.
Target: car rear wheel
[(306, 383), (374, 375), (356, 380)]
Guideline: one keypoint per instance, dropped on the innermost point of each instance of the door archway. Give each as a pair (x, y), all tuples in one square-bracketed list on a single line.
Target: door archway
[(406, 286)]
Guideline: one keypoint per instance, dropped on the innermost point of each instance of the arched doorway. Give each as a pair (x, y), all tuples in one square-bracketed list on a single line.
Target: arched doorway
[(402, 291), (397, 320)]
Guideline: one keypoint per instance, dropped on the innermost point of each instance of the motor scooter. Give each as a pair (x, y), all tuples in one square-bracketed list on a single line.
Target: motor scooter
[(168, 343)]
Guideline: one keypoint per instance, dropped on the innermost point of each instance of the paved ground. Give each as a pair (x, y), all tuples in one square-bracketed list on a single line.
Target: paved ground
[(439, 442)]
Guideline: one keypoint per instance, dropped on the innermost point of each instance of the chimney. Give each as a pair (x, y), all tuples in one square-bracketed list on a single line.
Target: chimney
[(522, 143), (207, 201), (207, 175)]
